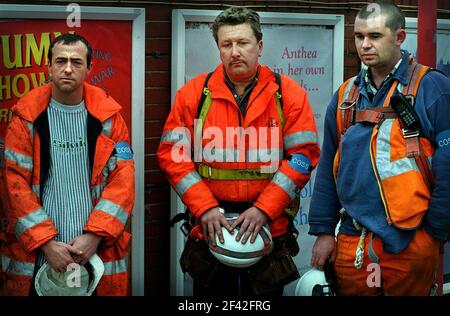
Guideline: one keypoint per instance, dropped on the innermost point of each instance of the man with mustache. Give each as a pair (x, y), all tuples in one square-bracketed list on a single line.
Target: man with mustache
[(243, 96), (384, 168)]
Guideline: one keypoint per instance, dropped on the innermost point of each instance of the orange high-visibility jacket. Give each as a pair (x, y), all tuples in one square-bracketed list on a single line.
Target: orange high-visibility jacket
[(298, 136), (112, 188)]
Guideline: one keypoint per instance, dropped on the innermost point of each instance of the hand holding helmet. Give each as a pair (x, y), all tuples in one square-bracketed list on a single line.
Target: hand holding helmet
[(238, 253), (250, 222)]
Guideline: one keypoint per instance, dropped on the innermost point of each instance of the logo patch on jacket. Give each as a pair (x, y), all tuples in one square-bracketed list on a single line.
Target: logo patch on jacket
[(300, 163), (123, 150), (443, 140)]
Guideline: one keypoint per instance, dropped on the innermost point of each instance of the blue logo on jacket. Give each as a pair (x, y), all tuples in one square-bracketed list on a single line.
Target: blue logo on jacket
[(123, 151), (443, 140), (300, 163)]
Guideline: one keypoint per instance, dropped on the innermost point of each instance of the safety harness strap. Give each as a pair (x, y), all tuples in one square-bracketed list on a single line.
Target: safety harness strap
[(278, 99), (226, 174), (374, 115), (232, 174), (352, 115)]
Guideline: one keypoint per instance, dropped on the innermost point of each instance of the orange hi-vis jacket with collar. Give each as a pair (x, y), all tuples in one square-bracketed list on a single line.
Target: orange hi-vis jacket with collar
[(222, 148), (26, 167)]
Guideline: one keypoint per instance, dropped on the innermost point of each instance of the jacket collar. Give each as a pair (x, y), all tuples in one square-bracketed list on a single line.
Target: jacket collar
[(401, 74), (98, 103), (220, 90)]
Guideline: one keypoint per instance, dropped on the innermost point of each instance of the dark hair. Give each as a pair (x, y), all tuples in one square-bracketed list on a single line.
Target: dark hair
[(236, 16), (69, 38), (395, 19)]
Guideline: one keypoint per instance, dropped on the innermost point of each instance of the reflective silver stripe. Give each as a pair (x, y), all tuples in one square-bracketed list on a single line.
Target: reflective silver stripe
[(22, 160), (285, 183), (29, 221), (112, 209), (299, 138), (233, 155), (386, 167), (220, 155), (188, 181), (97, 190), (17, 267), (117, 266), (349, 87), (107, 127), (178, 135), (36, 189), (264, 155)]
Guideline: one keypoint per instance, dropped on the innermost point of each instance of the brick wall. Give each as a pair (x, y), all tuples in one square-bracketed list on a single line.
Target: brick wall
[(157, 102)]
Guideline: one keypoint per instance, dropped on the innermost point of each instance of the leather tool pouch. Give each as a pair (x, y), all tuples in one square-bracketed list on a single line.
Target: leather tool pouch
[(198, 261), (273, 271)]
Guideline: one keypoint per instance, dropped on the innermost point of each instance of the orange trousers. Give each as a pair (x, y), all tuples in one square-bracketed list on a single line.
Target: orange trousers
[(410, 272)]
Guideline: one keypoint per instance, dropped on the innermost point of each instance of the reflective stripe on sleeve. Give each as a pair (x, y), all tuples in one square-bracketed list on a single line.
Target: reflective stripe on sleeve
[(29, 221), (17, 267), (112, 209), (117, 266), (22, 160), (285, 183), (299, 138), (188, 181), (178, 135)]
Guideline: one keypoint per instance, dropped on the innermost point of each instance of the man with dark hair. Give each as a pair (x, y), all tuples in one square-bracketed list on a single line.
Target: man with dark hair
[(236, 176), (384, 167), (69, 176), (67, 39)]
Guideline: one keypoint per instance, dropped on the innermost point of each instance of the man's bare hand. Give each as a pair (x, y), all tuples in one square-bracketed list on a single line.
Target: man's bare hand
[(88, 244), (251, 222), (211, 221), (324, 248), (59, 255)]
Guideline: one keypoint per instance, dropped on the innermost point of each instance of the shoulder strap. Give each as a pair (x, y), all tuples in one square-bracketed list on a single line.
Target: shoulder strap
[(413, 145), (279, 98), (202, 111), (348, 94), (415, 74), (204, 95)]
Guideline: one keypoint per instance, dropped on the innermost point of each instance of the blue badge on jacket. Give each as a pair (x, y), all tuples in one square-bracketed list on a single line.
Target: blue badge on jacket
[(123, 150), (300, 163), (443, 140)]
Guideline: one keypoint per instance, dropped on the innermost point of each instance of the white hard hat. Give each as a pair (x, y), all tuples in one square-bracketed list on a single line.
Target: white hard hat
[(76, 282), (313, 283), (237, 255)]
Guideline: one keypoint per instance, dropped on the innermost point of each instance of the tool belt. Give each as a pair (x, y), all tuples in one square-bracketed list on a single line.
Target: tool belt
[(272, 271), (276, 269)]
